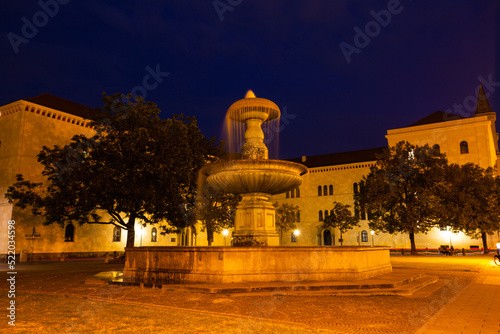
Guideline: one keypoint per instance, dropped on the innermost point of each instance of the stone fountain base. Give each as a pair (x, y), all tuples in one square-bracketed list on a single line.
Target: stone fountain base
[(255, 264)]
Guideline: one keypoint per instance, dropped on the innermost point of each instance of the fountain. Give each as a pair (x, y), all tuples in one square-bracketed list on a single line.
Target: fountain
[(258, 257), (254, 177)]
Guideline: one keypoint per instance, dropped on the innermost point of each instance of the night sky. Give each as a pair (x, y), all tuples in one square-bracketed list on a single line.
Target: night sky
[(423, 56)]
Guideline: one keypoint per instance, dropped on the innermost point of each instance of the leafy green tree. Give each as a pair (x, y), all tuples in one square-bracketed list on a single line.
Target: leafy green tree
[(470, 202), (216, 211), (400, 193), (286, 217), (342, 218), (137, 168)]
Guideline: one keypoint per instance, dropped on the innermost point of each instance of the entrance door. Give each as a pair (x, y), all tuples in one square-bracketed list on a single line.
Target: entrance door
[(327, 238)]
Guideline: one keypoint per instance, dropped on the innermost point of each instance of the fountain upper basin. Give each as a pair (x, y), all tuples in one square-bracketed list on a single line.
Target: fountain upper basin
[(254, 176)]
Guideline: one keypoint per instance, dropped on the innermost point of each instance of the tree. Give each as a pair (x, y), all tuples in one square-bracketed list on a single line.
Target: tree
[(400, 193), (216, 212), (469, 201), (341, 217), (286, 216), (137, 168)]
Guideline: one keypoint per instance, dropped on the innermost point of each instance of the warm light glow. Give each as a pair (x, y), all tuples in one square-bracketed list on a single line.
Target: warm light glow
[(225, 232), (498, 245), (296, 232), (372, 232)]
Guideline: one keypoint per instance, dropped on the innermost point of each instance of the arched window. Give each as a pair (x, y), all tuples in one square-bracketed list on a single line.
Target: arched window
[(298, 216), (436, 149), (293, 237), (287, 194), (355, 188), (325, 190), (331, 190), (331, 212), (364, 236), (320, 215), (117, 234), (154, 235), (297, 193), (69, 233), (292, 194), (319, 190), (326, 214), (464, 147)]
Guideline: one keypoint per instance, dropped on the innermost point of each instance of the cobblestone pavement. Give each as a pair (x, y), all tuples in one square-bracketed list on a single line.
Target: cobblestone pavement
[(343, 314)]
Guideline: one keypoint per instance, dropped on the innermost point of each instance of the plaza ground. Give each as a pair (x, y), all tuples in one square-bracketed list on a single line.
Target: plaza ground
[(64, 297)]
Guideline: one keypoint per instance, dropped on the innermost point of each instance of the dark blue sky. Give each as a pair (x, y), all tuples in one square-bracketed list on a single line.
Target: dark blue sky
[(427, 58)]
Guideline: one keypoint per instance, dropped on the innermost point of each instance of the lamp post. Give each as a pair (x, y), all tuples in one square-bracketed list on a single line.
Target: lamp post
[(372, 232), (225, 233)]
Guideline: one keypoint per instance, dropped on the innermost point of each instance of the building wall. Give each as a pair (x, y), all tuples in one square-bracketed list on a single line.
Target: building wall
[(24, 129), (478, 131)]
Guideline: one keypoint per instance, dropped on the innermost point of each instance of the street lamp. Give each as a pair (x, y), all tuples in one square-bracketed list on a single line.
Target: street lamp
[(372, 232), (225, 233), (296, 233)]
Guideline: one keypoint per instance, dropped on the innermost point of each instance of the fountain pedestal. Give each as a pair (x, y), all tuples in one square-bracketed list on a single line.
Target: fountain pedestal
[(254, 223)]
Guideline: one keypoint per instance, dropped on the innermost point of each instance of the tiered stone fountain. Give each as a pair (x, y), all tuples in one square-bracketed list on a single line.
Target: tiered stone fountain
[(254, 177), (259, 258)]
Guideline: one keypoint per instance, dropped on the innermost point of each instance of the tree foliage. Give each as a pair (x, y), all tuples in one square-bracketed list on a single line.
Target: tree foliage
[(216, 211), (286, 217), (137, 167), (342, 218), (469, 201), (400, 193)]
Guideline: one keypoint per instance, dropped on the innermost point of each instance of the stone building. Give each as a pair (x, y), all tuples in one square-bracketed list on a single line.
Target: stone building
[(28, 124), (335, 177)]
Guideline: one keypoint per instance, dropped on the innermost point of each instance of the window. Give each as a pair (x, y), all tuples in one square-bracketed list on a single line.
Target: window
[(355, 188), (292, 194), (331, 190), (436, 149), (293, 237), (325, 191), (154, 235), (117, 234), (287, 194), (326, 214), (364, 236), (319, 190), (297, 193), (320, 215), (298, 216), (69, 233), (464, 147)]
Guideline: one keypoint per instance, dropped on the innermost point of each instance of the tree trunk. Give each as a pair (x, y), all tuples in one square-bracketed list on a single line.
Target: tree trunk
[(210, 235), (412, 241), (131, 231), (281, 237), (341, 239), (485, 243)]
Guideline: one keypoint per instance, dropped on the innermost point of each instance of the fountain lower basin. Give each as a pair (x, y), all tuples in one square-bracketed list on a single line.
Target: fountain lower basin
[(256, 264)]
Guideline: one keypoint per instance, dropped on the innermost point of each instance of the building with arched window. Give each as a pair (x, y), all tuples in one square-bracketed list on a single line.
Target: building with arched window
[(462, 139), (26, 125)]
